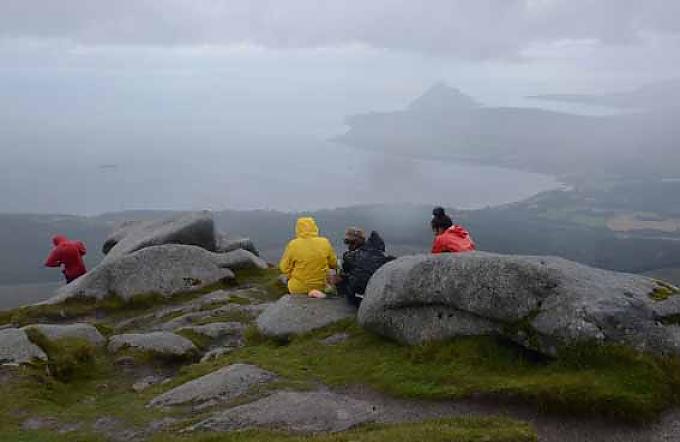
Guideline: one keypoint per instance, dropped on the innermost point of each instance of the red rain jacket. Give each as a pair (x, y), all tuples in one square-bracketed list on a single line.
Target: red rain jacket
[(69, 254), (455, 239)]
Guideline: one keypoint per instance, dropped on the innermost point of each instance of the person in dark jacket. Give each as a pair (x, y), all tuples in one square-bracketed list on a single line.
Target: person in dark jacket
[(359, 262), (68, 254)]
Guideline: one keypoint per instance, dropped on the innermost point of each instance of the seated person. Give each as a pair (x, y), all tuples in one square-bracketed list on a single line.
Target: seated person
[(307, 259), (359, 263), (449, 238)]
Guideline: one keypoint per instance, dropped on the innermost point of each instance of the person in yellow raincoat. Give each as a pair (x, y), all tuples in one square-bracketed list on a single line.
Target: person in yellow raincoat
[(307, 259)]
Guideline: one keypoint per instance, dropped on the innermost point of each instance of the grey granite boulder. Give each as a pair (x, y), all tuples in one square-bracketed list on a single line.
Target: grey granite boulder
[(225, 243), (540, 302), (79, 330), (297, 314), (161, 343), (224, 384), (16, 348), (301, 412), (195, 228), (164, 270)]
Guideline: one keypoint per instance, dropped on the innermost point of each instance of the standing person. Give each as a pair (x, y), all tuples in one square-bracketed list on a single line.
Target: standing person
[(68, 254), (449, 238), (307, 259), (359, 263)]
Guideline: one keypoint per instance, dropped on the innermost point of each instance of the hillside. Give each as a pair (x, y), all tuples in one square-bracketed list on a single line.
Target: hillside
[(173, 342), (574, 225), (444, 123)]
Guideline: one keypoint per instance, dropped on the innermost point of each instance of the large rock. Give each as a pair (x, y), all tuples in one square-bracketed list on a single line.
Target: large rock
[(196, 228), (160, 343), (79, 330), (164, 270), (225, 243), (297, 314), (540, 302), (16, 348), (302, 412), (225, 384)]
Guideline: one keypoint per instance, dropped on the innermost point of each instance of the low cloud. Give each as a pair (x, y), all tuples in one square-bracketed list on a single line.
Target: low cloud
[(480, 29)]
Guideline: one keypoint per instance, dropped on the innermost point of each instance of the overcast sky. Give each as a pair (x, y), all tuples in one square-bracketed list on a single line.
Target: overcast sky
[(104, 79)]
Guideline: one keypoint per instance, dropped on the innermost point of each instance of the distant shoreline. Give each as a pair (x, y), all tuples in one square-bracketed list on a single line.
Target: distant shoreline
[(16, 295)]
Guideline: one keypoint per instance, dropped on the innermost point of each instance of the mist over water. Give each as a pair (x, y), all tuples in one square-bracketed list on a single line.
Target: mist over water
[(253, 173)]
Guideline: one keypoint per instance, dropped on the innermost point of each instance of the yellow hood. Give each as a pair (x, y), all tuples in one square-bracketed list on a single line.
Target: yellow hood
[(306, 228)]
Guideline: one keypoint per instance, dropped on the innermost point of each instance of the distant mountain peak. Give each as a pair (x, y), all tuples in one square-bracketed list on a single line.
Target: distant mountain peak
[(441, 97)]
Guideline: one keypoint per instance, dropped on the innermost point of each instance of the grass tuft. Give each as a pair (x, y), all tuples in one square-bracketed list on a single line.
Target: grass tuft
[(470, 429), (68, 358)]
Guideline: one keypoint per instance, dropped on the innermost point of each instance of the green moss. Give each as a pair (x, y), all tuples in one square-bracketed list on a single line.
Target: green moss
[(267, 279), (68, 358), (589, 379), (105, 329), (5, 317), (199, 340), (112, 306), (47, 436), (103, 390), (443, 430), (663, 291), (227, 316), (240, 300)]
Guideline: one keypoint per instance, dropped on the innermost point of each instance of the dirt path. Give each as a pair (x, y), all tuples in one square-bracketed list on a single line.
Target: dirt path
[(550, 428)]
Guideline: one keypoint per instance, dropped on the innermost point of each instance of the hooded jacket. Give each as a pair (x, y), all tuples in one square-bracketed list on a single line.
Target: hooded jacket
[(454, 239), (69, 254), (359, 265), (307, 258)]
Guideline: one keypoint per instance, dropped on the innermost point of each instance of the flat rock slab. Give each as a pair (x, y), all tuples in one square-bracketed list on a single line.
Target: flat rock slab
[(79, 330), (164, 270), (16, 348), (301, 412), (216, 330), (222, 385), (163, 343), (296, 314)]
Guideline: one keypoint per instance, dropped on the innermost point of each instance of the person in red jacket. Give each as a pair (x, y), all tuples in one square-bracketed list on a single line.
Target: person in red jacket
[(449, 238), (69, 254)]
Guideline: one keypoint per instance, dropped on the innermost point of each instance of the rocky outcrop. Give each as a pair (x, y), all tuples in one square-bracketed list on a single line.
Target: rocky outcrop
[(160, 343), (225, 384), (83, 331), (301, 412), (225, 243), (16, 348), (540, 302), (297, 314), (196, 228), (164, 270)]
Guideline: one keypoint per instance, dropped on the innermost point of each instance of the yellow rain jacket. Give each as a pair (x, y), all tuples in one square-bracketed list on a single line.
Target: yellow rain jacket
[(307, 258)]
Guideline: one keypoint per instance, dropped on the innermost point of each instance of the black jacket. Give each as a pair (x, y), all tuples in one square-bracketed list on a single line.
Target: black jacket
[(359, 265)]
